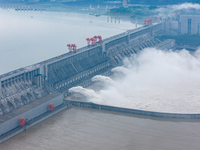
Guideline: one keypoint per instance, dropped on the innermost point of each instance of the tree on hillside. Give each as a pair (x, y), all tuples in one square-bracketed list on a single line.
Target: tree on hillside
[(44, 0), (195, 1)]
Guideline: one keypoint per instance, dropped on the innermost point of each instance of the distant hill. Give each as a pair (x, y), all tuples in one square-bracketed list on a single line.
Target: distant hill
[(147, 2)]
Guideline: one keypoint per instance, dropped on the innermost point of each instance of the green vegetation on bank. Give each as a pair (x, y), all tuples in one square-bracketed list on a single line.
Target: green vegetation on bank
[(185, 39), (147, 2), (195, 1), (135, 11)]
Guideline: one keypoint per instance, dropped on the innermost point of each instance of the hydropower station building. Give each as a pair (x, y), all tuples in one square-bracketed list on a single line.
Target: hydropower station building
[(189, 24)]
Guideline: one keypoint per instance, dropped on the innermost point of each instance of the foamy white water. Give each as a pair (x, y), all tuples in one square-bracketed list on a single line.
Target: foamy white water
[(120, 70), (156, 80), (87, 94), (103, 79)]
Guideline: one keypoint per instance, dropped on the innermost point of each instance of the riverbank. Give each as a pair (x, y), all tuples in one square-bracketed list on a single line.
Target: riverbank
[(134, 11), (81, 7)]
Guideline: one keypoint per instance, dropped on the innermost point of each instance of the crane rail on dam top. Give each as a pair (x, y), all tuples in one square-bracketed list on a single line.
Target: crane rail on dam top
[(107, 40)]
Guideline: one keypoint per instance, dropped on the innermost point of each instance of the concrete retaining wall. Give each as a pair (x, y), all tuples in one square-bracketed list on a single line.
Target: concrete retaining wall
[(13, 122), (68, 104), (33, 122), (135, 111)]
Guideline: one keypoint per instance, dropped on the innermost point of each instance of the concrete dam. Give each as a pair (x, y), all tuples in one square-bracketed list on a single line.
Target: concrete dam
[(31, 89), (27, 84)]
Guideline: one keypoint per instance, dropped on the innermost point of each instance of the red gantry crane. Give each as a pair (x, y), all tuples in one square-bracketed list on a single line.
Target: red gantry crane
[(124, 3), (69, 47), (88, 41), (22, 122), (100, 39), (51, 107), (158, 19), (145, 22), (72, 47), (94, 40), (150, 21)]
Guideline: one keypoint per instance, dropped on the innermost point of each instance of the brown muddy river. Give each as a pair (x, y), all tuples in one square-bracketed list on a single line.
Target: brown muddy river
[(88, 129)]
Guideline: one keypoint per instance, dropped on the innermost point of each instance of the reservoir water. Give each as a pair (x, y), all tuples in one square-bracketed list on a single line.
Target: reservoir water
[(28, 37)]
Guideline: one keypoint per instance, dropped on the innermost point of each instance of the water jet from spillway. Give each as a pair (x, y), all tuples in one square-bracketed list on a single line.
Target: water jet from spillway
[(155, 80)]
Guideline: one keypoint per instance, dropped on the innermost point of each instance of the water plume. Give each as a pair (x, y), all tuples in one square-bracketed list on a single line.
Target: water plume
[(186, 6), (120, 69), (155, 80), (183, 9), (104, 80), (84, 93)]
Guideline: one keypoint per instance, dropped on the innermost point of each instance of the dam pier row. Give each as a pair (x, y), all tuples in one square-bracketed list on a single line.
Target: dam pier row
[(36, 92)]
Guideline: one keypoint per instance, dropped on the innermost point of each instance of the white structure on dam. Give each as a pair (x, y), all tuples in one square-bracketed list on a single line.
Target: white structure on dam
[(189, 24), (184, 24)]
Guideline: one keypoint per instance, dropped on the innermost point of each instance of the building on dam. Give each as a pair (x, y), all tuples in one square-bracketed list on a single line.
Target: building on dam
[(189, 24), (182, 24)]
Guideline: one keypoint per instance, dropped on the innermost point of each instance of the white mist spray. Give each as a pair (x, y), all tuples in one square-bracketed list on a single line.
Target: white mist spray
[(103, 79), (186, 6), (87, 94), (155, 80)]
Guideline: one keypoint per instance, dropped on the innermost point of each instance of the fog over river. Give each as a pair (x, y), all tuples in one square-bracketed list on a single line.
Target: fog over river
[(28, 37)]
